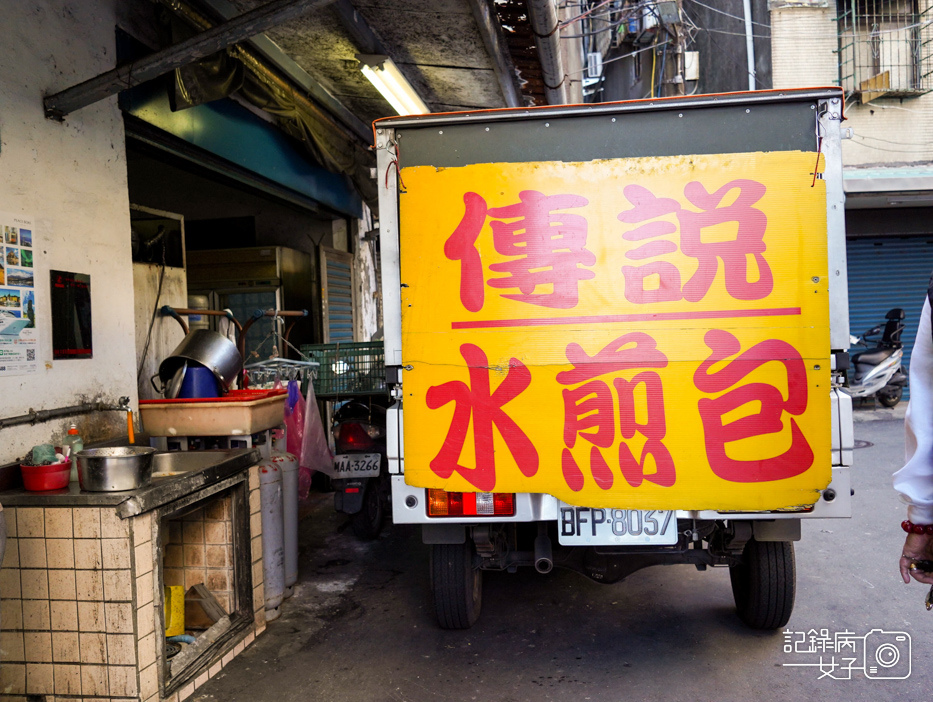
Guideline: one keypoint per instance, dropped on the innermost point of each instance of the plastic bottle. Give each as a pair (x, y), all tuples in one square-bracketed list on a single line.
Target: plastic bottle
[(74, 440)]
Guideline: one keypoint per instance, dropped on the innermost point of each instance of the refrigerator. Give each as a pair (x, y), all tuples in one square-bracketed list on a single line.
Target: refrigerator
[(262, 277)]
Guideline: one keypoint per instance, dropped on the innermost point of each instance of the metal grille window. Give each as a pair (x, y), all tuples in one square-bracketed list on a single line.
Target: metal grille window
[(884, 48)]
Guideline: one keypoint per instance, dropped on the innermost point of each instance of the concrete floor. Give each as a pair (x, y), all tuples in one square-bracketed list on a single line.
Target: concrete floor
[(360, 626)]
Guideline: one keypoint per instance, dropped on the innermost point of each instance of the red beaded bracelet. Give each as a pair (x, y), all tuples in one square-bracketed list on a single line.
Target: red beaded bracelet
[(912, 528)]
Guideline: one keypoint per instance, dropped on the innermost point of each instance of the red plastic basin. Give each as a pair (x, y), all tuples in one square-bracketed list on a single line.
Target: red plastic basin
[(42, 478)]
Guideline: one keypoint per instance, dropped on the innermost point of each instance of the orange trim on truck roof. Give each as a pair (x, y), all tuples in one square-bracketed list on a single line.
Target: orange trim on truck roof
[(786, 91)]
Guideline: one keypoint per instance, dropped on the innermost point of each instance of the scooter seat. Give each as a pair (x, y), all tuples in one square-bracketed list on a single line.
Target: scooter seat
[(872, 357)]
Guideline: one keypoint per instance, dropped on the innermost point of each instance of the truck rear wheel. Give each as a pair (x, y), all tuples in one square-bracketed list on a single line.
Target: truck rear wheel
[(764, 584), (456, 584)]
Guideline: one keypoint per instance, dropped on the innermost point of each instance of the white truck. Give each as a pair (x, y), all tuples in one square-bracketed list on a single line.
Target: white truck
[(616, 336)]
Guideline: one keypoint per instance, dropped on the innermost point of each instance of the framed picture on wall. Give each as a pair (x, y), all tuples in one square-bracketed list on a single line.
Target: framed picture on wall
[(71, 315)]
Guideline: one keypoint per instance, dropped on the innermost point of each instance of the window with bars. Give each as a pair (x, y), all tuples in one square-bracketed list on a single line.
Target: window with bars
[(884, 48)]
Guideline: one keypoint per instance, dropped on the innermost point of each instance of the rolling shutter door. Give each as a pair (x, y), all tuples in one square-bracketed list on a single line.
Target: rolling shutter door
[(886, 273), (338, 296)]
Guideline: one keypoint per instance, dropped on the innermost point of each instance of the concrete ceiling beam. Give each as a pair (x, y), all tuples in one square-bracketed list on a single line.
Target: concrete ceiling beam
[(491, 31), (238, 29)]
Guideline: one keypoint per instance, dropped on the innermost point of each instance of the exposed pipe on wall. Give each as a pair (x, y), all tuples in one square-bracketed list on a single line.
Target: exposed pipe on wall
[(749, 44), (36, 416), (546, 26)]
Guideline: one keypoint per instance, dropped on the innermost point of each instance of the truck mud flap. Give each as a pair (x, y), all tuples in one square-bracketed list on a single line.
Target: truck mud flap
[(777, 530), (443, 533)]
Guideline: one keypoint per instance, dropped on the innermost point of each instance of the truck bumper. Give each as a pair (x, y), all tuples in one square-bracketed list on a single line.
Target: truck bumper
[(409, 506)]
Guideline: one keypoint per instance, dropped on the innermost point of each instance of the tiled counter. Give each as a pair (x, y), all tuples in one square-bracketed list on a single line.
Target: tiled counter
[(81, 594)]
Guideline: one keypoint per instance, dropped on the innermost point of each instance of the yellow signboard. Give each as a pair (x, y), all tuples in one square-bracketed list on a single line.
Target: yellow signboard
[(647, 333)]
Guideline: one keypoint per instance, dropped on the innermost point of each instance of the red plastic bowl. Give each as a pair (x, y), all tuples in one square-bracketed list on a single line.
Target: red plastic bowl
[(42, 478), (36, 470)]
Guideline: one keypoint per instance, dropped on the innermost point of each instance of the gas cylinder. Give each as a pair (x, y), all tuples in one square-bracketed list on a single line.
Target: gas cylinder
[(273, 543), (288, 465)]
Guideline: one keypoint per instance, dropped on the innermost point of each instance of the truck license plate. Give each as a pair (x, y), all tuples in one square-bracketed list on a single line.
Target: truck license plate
[(585, 526), (357, 465)]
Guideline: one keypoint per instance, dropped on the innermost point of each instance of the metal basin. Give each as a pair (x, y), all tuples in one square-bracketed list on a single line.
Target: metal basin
[(208, 348), (114, 469), (166, 465)]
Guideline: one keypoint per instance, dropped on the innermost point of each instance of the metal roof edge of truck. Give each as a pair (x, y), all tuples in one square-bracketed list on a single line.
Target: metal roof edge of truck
[(643, 105)]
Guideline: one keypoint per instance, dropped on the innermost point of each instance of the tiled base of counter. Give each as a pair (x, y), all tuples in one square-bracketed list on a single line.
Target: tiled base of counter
[(80, 605)]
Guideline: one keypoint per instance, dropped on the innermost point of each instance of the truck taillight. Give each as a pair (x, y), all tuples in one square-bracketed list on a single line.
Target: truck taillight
[(470, 504)]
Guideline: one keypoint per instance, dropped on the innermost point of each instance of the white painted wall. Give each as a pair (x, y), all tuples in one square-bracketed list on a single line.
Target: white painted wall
[(887, 131), (72, 178), (166, 331), (367, 292)]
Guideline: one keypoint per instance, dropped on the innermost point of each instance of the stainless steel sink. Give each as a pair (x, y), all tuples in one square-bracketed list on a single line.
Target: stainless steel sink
[(166, 465)]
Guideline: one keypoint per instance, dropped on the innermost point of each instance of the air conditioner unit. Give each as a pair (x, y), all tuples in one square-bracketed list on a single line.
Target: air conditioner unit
[(691, 65), (594, 64)]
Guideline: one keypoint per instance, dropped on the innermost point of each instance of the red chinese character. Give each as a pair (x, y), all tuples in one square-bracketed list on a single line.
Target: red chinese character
[(768, 420), (590, 406), (615, 356), (654, 430), (547, 248), (587, 407), (648, 206), (751, 224), (748, 241), (461, 246), (485, 406)]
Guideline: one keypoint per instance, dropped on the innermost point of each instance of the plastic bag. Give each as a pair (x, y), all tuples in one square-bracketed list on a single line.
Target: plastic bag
[(294, 418), (315, 453)]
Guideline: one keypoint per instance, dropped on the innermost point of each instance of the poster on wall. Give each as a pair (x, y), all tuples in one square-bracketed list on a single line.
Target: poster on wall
[(19, 338)]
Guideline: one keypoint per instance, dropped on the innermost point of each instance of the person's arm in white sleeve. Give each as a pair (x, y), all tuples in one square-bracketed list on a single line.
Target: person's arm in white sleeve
[(914, 481)]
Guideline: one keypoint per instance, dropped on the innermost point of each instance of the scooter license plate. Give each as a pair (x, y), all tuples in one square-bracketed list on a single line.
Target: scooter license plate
[(585, 526), (357, 465)]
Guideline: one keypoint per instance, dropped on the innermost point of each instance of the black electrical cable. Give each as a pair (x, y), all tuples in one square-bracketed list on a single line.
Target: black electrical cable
[(661, 72), (593, 33)]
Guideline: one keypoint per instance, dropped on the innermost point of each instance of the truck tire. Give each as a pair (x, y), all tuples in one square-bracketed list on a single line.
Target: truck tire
[(764, 584), (457, 586), (367, 523)]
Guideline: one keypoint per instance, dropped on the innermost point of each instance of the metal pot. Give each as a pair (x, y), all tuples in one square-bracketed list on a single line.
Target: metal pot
[(209, 349), (114, 469)]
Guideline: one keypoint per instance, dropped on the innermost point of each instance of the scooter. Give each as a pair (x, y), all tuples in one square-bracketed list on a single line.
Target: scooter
[(361, 464), (877, 371)]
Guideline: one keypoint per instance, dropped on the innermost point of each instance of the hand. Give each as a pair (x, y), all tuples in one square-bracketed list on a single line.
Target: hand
[(917, 547)]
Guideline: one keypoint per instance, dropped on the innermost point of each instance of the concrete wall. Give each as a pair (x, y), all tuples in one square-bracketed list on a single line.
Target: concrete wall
[(887, 130), (72, 178), (721, 43), (803, 42), (571, 54), (166, 332), (368, 293)]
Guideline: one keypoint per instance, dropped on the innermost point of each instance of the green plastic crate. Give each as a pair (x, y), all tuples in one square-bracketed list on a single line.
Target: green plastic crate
[(348, 369)]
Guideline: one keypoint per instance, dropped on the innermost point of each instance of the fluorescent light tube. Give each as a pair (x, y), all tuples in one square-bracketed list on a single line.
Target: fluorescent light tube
[(382, 72)]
